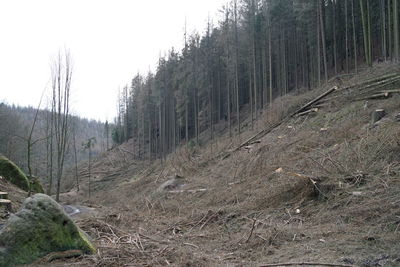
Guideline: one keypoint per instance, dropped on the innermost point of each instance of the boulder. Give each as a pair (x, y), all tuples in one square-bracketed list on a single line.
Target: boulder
[(377, 115), (36, 186), (397, 117), (12, 173), (172, 184), (15, 175), (40, 227)]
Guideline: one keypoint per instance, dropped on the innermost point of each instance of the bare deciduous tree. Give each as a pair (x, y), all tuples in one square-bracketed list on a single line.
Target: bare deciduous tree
[(30, 143), (61, 87)]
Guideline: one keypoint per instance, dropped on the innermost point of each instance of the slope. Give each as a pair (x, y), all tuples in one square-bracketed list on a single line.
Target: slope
[(321, 187)]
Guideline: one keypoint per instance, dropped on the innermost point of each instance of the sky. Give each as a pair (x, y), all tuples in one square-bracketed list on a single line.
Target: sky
[(109, 41)]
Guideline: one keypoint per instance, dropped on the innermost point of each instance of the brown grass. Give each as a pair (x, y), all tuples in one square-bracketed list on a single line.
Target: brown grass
[(251, 214)]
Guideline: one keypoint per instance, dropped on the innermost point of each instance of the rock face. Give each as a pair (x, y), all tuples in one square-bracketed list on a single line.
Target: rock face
[(40, 227)]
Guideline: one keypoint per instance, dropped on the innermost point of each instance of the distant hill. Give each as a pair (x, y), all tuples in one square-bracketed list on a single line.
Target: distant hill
[(15, 124)]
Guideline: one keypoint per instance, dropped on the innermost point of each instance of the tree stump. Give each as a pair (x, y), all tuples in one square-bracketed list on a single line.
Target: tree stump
[(3, 195), (397, 117), (6, 203), (377, 115)]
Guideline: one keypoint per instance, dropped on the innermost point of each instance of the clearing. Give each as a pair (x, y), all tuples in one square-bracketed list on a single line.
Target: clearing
[(319, 186)]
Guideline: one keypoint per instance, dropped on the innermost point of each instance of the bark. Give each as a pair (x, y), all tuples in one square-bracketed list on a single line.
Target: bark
[(354, 36), (396, 29), (346, 35), (322, 27), (236, 68)]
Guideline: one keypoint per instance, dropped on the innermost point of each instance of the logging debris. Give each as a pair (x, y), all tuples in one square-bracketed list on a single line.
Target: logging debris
[(377, 115)]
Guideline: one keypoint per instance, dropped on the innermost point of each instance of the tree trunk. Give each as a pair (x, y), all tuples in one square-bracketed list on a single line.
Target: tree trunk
[(366, 32), (76, 160), (322, 27), (346, 35), (270, 57), (390, 41), (369, 33), (318, 47), (354, 37), (396, 30), (236, 69), (334, 36), (89, 167), (254, 60), (383, 31)]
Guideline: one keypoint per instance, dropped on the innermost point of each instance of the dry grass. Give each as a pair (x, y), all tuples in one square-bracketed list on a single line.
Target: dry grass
[(249, 213)]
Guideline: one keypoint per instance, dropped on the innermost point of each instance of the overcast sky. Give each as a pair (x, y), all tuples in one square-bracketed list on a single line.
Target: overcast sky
[(109, 40)]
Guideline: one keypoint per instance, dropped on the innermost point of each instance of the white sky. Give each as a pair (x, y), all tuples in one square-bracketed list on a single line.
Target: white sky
[(109, 40)]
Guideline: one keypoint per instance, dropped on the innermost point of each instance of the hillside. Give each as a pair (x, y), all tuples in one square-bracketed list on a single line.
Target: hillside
[(16, 123), (322, 187)]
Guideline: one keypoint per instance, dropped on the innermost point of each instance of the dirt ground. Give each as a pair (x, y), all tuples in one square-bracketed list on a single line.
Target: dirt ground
[(320, 188)]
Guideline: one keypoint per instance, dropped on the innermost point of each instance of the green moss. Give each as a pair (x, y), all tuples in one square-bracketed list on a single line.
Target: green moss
[(36, 186), (91, 249), (39, 228), (13, 173)]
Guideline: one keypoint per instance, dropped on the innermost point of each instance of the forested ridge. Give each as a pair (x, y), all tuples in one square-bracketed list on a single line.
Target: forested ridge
[(16, 123), (257, 51)]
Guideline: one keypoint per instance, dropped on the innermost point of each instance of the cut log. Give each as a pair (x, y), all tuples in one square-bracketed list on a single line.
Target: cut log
[(377, 115), (63, 255), (6, 203), (397, 117), (391, 91), (3, 195), (277, 124), (315, 100), (376, 96), (307, 112)]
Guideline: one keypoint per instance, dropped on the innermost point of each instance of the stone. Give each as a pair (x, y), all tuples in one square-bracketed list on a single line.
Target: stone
[(13, 173), (40, 227), (377, 115), (36, 186), (172, 184), (397, 117)]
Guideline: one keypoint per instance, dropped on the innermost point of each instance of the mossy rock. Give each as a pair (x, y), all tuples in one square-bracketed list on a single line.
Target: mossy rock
[(39, 228), (13, 173), (36, 186)]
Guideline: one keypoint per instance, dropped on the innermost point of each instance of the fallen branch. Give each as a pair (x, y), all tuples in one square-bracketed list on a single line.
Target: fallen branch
[(85, 172), (126, 151), (191, 245), (63, 255), (258, 135), (209, 219), (187, 191), (287, 118), (251, 231), (375, 82)]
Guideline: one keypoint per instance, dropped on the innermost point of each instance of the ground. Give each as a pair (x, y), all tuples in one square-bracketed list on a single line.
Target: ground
[(323, 187)]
